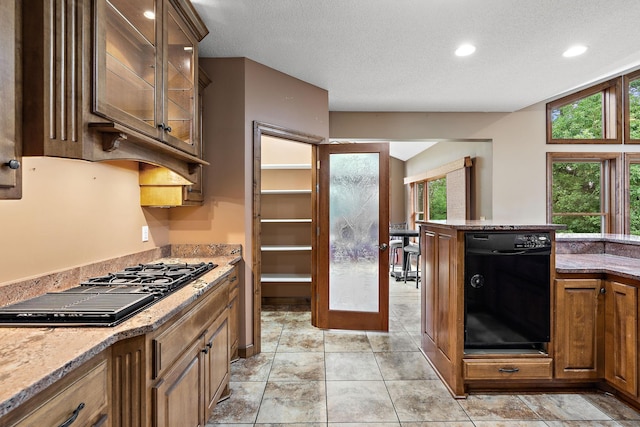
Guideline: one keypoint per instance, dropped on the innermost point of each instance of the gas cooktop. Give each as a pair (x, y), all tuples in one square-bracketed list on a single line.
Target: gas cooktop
[(104, 300)]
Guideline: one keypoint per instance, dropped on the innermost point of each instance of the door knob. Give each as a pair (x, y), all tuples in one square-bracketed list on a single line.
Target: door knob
[(383, 247)]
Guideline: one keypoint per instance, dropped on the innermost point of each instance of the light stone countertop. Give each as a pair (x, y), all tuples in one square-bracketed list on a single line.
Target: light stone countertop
[(490, 225), (33, 358), (598, 264)]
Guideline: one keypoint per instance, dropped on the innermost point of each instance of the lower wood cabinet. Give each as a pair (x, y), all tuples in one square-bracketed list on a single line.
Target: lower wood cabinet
[(621, 337), (178, 396), (234, 312), (81, 399), (597, 332), (579, 329)]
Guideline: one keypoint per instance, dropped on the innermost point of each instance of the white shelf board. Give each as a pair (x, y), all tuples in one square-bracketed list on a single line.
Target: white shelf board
[(286, 220), (285, 191), (286, 166), (287, 278), (284, 248)]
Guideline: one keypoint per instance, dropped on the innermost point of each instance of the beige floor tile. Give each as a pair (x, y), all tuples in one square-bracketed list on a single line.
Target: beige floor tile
[(438, 424), (583, 423), (352, 367), (405, 365), (563, 407), (346, 341), (243, 405), (359, 401), (497, 408), (392, 341), (297, 367), (293, 402), (613, 407), (253, 368), (293, 341), (510, 423), (424, 400)]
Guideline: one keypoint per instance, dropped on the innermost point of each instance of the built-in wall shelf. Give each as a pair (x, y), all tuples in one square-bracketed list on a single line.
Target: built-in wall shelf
[(285, 278), (286, 191), (285, 220), (284, 248), (287, 166), (286, 226)]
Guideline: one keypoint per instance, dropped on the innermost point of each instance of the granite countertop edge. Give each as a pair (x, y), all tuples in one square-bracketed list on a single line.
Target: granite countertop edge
[(616, 265), (36, 343), (490, 225)]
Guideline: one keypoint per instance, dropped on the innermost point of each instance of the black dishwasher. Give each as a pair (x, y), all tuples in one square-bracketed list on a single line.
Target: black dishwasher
[(507, 290)]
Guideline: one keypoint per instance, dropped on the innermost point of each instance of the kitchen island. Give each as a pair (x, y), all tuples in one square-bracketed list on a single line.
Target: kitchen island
[(593, 306), (443, 311), (133, 359)]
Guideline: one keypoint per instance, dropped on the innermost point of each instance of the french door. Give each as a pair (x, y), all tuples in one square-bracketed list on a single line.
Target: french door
[(352, 290)]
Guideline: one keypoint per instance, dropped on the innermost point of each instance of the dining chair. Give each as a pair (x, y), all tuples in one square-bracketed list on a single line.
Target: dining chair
[(412, 250), (395, 246)]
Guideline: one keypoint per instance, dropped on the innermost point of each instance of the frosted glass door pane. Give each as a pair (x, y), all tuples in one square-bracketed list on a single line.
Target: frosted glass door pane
[(354, 232)]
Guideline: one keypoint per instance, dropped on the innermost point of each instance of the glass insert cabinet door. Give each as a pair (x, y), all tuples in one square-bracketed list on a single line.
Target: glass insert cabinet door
[(126, 63), (145, 71)]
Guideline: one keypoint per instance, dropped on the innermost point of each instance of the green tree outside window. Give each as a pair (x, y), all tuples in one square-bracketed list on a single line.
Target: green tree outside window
[(576, 196), (634, 109), (438, 199), (578, 120)]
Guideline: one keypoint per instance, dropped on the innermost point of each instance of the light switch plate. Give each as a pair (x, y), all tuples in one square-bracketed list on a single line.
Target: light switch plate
[(145, 233)]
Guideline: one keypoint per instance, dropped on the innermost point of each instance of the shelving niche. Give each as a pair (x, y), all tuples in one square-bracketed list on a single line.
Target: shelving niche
[(286, 221)]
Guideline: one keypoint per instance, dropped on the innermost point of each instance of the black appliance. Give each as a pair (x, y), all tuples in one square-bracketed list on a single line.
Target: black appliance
[(507, 290), (104, 300)]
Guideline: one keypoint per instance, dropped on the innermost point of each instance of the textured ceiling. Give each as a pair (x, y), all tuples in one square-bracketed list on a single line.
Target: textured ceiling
[(397, 55)]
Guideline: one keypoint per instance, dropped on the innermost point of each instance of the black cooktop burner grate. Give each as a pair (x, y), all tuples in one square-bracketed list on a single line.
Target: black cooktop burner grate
[(105, 300)]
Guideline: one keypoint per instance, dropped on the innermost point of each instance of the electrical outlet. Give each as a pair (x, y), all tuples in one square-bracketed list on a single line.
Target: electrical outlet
[(145, 233)]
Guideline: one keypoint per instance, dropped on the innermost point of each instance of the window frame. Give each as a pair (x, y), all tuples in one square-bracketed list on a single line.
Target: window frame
[(629, 158), (414, 202), (627, 78), (611, 188), (611, 115)]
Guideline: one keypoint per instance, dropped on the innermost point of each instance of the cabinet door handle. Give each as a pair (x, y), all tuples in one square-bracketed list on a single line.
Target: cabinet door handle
[(509, 370), (164, 127), (603, 291), (12, 164), (73, 416)]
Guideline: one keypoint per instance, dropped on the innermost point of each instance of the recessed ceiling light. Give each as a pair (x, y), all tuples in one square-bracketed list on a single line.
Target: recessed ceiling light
[(574, 51), (149, 14), (465, 50)]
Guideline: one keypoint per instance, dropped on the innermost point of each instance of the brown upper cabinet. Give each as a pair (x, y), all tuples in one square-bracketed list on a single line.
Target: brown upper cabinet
[(113, 80), (10, 108)]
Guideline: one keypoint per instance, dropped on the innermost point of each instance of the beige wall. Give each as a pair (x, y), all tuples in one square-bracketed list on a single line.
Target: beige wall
[(518, 147), (518, 180), (448, 151), (72, 213), (397, 211), (242, 92)]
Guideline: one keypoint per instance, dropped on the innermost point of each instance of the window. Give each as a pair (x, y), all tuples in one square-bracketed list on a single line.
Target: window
[(632, 107), (418, 202), (632, 183), (582, 189), (437, 198), (588, 116)]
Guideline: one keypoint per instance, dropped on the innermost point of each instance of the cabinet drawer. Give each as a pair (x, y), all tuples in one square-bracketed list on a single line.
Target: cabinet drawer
[(517, 369), (89, 392), (172, 342)]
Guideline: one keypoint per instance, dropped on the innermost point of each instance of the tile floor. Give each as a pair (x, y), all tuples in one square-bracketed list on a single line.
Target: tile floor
[(307, 376)]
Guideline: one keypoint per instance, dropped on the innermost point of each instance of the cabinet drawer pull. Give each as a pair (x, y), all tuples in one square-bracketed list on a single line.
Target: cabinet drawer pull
[(233, 279), (73, 416), (509, 370)]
